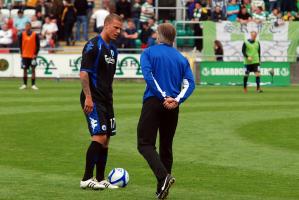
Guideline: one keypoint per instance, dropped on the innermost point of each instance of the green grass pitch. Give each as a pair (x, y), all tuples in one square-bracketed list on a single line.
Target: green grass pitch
[(228, 145)]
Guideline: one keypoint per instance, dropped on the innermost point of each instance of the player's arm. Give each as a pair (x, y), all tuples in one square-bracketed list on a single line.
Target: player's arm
[(260, 52), (188, 84), (244, 50), (87, 66), (88, 105), (37, 42), (147, 72)]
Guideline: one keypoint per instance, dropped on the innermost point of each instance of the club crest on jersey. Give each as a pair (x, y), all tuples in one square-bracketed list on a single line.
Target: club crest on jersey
[(109, 60)]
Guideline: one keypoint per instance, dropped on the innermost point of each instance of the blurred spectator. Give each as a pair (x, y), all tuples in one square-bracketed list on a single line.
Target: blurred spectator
[(136, 10), (123, 8), (68, 21), (288, 17), (257, 3), (81, 7), (3, 19), (243, 17), (247, 4), (90, 6), (31, 4), (259, 15), (272, 4), (43, 8), (218, 50), (233, 10), (275, 17), (49, 31), (130, 34), (190, 8), (106, 4), (56, 11), (5, 36), (197, 16), (11, 27), (99, 17), (146, 32), (39, 16), (20, 21), (18, 4), (220, 3), (288, 5), (147, 11), (217, 14), (152, 24), (36, 24), (152, 40)]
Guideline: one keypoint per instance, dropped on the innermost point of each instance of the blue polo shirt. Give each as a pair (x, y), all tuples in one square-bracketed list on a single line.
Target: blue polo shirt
[(167, 73)]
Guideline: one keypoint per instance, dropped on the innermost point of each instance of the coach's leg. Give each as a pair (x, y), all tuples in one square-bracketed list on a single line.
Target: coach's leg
[(147, 133), (167, 131)]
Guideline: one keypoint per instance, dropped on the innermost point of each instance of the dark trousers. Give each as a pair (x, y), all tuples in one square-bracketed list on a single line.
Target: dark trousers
[(68, 32), (198, 32), (155, 117)]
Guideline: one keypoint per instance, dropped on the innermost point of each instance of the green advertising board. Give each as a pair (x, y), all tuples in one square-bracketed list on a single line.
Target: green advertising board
[(231, 73)]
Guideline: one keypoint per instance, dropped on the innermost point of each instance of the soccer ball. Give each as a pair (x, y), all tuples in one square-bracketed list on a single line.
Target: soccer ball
[(118, 177)]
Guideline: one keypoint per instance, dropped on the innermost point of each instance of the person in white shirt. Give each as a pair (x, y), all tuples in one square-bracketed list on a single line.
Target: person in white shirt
[(99, 16), (5, 36), (49, 30)]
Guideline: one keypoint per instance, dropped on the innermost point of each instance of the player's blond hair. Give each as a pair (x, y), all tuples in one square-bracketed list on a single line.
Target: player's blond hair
[(112, 17), (166, 33)]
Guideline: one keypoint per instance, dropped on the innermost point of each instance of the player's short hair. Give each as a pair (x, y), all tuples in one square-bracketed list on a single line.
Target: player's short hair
[(166, 33), (112, 17)]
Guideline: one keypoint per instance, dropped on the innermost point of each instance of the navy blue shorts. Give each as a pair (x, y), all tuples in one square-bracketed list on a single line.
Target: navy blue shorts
[(28, 62), (100, 122)]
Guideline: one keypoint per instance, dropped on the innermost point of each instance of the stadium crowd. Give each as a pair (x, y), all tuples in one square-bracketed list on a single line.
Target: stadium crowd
[(56, 20)]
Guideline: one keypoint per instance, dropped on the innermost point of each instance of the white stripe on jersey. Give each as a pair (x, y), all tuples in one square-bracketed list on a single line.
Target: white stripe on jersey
[(183, 92)]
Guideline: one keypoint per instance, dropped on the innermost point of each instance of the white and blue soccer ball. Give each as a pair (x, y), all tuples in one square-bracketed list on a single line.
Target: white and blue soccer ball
[(118, 177)]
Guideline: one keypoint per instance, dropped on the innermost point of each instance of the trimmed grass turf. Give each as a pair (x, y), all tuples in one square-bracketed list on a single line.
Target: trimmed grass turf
[(228, 145)]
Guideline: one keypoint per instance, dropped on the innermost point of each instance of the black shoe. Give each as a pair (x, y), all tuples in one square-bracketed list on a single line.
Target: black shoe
[(165, 185)]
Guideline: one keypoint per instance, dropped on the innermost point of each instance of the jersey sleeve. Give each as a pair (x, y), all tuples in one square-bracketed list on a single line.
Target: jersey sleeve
[(188, 84), (149, 78), (89, 55)]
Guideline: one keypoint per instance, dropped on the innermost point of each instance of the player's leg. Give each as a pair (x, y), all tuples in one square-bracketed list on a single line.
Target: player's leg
[(257, 78), (148, 125), (93, 151), (245, 78), (25, 66), (33, 66)]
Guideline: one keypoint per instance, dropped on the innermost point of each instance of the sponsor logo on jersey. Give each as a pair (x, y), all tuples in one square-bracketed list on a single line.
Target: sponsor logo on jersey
[(109, 60), (93, 123)]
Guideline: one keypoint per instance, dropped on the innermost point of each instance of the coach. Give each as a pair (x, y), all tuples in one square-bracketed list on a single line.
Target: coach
[(169, 82)]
